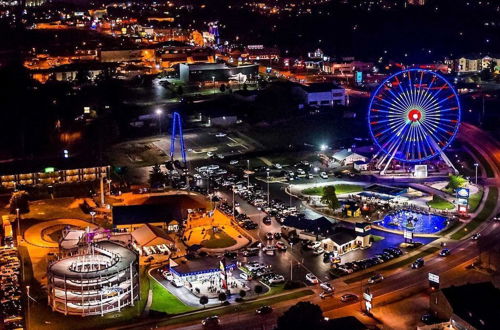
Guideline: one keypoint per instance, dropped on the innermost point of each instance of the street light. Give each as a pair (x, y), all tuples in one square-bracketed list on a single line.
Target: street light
[(28, 314), (213, 82), (267, 187), (18, 222), (476, 165), (159, 112), (233, 202)]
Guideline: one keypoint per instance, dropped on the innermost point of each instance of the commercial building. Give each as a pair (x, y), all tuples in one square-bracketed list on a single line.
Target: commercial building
[(346, 240), (216, 72), (54, 173), (348, 157), (468, 307), (324, 94)]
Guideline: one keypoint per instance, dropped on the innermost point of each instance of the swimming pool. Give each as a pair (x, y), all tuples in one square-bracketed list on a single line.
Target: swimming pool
[(419, 223)]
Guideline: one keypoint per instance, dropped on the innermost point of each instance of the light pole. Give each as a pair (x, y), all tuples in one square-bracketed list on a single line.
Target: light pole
[(18, 222), (159, 113), (92, 214), (248, 175), (291, 262), (267, 180), (213, 82), (28, 314), (233, 202), (476, 165)]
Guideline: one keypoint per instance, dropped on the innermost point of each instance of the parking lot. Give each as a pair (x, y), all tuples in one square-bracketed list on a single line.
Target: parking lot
[(11, 292)]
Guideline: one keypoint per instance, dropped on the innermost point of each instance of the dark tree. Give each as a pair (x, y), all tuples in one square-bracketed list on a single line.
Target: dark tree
[(156, 176), (180, 90), (303, 315), (258, 289), (222, 88), (330, 197), (19, 200), (203, 300), (243, 293), (222, 297)]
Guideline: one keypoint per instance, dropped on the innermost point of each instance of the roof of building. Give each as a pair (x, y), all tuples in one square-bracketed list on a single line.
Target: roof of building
[(200, 265), (320, 87), (149, 235), (344, 153), (308, 224), (156, 209), (383, 189), (480, 309), (343, 237)]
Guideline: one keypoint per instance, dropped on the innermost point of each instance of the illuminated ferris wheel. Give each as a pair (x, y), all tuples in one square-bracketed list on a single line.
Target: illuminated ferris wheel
[(413, 116)]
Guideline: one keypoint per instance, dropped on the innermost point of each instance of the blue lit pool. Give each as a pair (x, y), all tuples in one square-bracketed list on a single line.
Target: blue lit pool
[(419, 223)]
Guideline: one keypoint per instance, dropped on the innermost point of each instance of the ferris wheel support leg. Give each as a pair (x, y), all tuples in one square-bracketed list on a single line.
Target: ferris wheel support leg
[(447, 161), (387, 165)]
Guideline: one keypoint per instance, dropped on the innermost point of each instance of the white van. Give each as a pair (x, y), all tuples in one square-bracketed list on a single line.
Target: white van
[(246, 276)]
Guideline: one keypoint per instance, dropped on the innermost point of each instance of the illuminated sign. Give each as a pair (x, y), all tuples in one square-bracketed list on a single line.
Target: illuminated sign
[(408, 234), (49, 170), (463, 193), (434, 278), (359, 77)]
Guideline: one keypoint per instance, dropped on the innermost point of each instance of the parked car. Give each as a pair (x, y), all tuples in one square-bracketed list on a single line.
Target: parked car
[(281, 246), (246, 277), (323, 175), (178, 283), (269, 236), (233, 162), (376, 279), (277, 279), (349, 297), (267, 220), (318, 251), (476, 236)]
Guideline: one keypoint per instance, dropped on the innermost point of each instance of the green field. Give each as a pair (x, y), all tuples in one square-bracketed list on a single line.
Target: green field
[(164, 301), (486, 212), (339, 189), (440, 203), (475, 199)]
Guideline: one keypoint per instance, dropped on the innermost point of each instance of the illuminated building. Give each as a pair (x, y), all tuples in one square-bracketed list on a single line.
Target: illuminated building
[(98, 279)]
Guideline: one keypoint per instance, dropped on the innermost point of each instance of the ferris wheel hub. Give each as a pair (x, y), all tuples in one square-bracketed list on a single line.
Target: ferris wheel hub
[(414, 115)]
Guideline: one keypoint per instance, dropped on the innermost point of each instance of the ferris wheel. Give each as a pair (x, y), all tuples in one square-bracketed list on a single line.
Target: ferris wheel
[(413, 116)]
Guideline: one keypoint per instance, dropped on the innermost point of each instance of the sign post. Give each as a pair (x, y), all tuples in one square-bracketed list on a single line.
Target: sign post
[(434, 281)]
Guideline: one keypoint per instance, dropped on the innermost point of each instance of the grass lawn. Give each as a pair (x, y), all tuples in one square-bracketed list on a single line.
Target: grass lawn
[(218, 240), (475, 199), (49, 209), (439, 203), (486, 212), (164, 301), (377, 238), (339, 189)]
